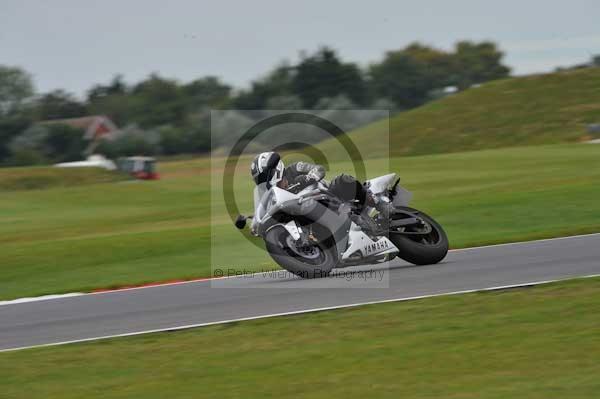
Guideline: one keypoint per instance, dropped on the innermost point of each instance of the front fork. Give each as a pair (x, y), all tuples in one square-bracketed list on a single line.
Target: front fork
[(302, 235)]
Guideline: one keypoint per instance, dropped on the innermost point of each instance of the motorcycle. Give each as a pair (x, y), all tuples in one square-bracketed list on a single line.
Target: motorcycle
[(313, 231)]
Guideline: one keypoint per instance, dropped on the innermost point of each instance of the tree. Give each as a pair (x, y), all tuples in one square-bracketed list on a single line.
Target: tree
[(477, 63), (401, 78), (277, 83), (173, 140), (120, 108), (158, 101), (115, 87), (58, 104), (49, 142), (15, 88), (10, 127), (284, 102), (113, 100), (438, 65), (207, 91), (30, 144), (323, 75), (64, 143), (198, 135), (407, 76), (132, 140), (225, 130)]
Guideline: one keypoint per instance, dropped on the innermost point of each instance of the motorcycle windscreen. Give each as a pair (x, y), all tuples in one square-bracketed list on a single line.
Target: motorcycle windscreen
[(380, 184), (402, 196), (261, 200)]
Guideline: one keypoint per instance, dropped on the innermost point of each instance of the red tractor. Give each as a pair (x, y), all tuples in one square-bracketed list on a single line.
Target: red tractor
[(139, 167)]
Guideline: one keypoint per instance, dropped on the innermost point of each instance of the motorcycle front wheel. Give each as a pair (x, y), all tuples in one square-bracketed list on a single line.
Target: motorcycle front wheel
[(310, 261), (423, 244)]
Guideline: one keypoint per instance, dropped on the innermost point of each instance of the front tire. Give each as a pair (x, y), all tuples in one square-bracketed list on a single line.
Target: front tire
[(419, 249), (315, 261)]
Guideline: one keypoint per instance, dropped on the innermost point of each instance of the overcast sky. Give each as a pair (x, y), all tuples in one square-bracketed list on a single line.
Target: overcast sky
[(73, 44)]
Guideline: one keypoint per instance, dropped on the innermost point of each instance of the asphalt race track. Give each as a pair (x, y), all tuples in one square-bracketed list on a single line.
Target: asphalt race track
[(195, 303)]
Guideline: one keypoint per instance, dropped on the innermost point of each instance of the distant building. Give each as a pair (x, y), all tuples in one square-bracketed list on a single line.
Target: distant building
[(93, 161), (95, 127)]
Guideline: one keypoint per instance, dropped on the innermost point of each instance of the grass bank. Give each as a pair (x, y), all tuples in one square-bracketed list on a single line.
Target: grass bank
[(529, 110)]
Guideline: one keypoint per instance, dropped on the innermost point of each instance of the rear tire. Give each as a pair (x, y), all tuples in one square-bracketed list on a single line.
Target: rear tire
[(317, 262), (422, 250)]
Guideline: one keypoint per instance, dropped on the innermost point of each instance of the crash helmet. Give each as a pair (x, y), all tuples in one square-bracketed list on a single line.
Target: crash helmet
[(267, 167)]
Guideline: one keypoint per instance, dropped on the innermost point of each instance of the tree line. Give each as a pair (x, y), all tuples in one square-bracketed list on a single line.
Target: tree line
[(160, 115)]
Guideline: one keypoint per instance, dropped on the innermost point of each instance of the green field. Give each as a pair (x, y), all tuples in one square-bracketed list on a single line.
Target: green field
[(36, 178), (540, 342), (529, 110), (130, 232)]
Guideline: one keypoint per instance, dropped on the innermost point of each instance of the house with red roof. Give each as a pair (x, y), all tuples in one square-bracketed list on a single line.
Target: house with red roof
[(95, 127)]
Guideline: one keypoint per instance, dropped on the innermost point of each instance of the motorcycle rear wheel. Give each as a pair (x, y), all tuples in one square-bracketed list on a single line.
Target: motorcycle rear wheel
[(314, 262)]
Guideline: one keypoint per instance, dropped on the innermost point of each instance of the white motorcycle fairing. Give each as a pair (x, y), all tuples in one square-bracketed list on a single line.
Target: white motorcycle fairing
[(380, 184), (360, 242), (265, 199)]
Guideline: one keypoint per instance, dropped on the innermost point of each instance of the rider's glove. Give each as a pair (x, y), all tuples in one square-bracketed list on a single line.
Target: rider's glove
[(304, 180)]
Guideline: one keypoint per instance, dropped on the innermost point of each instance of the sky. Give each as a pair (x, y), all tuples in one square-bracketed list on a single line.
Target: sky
[(74, 44)]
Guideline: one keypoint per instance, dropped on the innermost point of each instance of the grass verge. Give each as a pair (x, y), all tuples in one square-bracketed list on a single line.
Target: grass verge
[(528, 343), (35, 178)]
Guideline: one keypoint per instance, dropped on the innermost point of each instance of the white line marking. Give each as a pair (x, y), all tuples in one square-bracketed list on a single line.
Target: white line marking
[(507, 244), (199, 280), (297, 312), (41, 298)]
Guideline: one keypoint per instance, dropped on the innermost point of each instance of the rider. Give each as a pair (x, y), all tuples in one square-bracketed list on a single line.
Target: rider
[(268, 168)]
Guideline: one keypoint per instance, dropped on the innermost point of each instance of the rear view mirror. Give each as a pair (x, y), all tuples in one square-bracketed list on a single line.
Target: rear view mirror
[(240, 222)]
